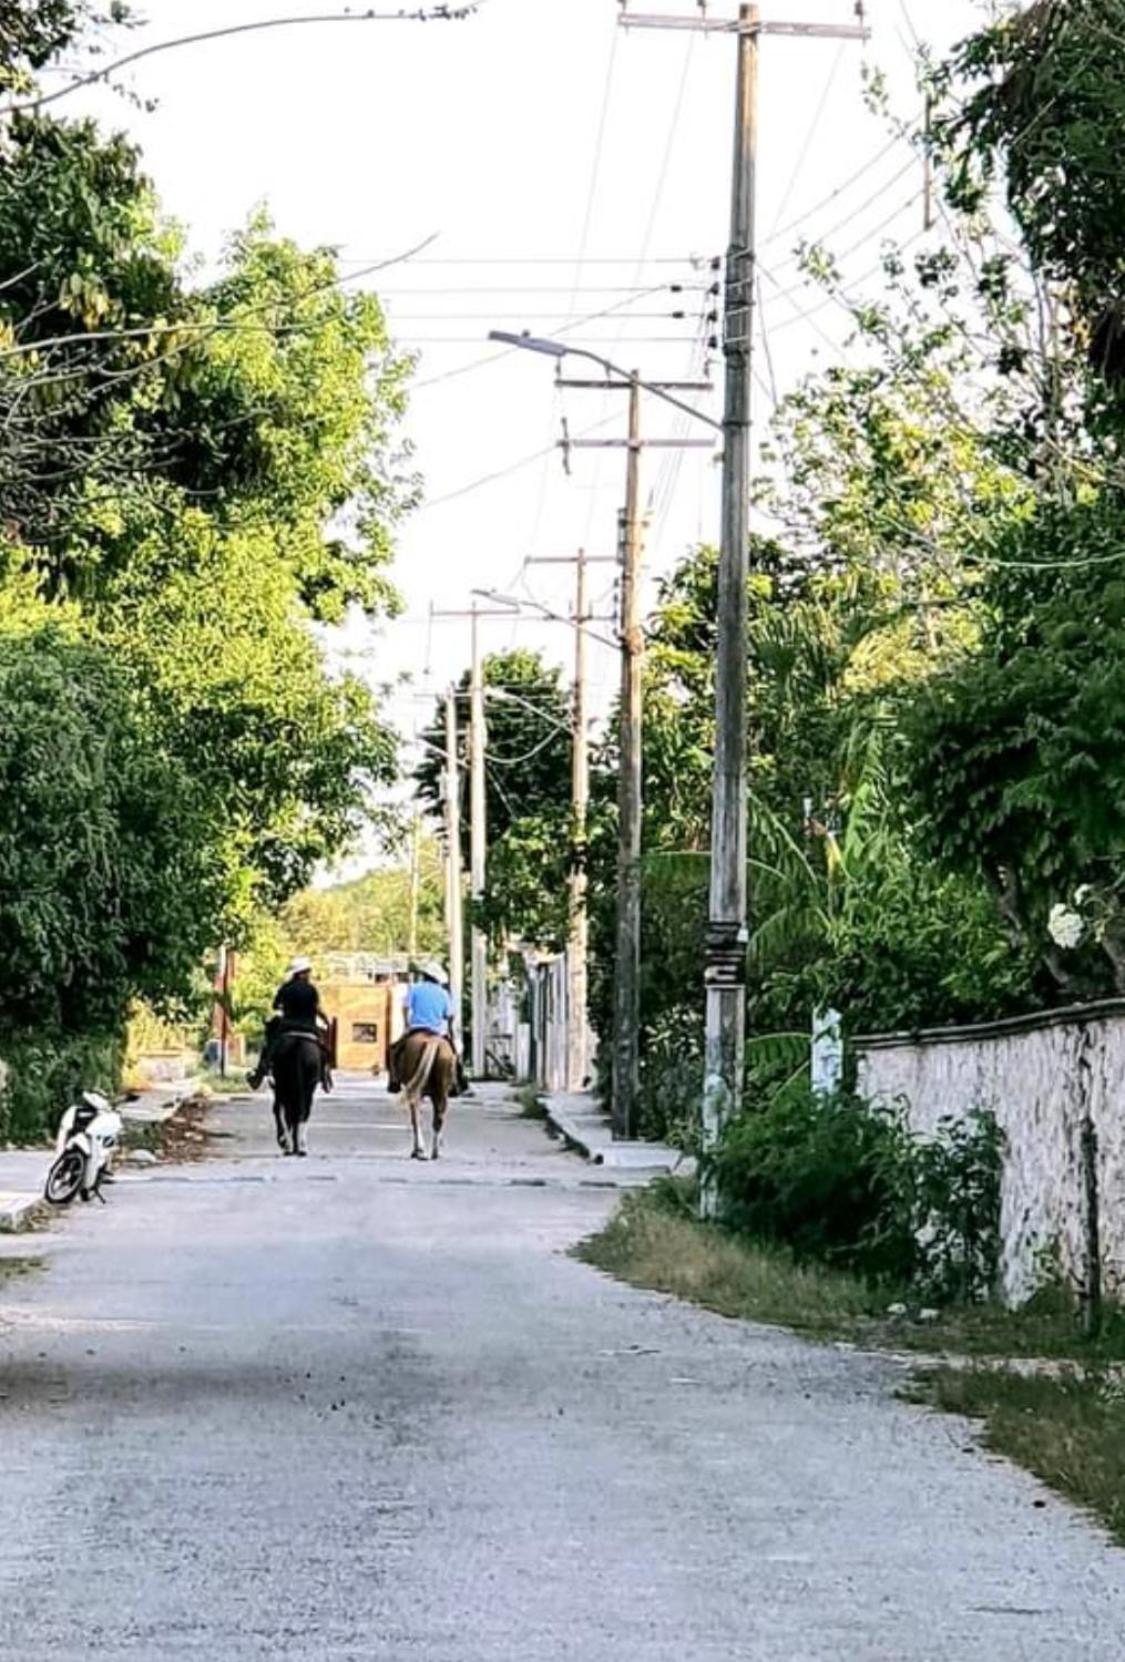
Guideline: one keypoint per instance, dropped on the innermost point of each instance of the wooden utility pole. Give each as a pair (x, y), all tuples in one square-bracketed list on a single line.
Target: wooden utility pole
[(725, 962), (478, 831), (415, 881), (630, 804), (578, 1054), (479, 844), (454, 897)]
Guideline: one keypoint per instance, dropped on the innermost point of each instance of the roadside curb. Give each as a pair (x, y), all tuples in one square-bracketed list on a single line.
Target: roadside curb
[(22, 1212), (22, 1208), (158, 1105), (586, 1126)]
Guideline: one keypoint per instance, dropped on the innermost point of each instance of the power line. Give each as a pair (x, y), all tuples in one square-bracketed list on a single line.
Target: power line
[(843, 224), (827, 201), (495, 357), (813, 128), (502, 473), (448, 13), (697, 262)]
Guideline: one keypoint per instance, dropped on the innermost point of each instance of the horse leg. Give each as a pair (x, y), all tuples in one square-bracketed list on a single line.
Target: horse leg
[(440, 1105), (418, 1152), (279, 1122), (301, 1134)]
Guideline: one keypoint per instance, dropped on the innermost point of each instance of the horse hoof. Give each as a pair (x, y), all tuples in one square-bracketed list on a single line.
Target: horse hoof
[(418, 1154), (436, 1155)]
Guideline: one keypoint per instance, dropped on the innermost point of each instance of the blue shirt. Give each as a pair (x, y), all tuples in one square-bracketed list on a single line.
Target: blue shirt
[(428, 1006)]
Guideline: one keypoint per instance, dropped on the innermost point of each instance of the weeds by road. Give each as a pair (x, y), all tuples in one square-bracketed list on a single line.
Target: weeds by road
[(531, 1104), (1068, 1428), (1058, 1408), (654, 1242), (12, 1269)]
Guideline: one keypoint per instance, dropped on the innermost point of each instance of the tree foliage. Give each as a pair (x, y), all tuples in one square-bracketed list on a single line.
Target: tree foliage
[(527, 794), (192, 480)]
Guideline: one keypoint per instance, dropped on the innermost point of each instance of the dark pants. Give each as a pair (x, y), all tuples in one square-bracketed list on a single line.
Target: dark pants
[(275, 1028)]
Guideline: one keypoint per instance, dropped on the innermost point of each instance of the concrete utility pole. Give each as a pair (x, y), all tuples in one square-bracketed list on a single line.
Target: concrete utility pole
[(630, 788), (727, 935), (578, 1061), (479, 835), (454, 897)]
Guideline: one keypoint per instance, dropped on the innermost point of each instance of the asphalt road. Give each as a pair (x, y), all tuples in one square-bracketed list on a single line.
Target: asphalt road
[(354, 1407)]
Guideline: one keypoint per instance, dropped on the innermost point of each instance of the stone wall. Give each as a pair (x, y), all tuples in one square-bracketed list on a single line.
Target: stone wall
[(1041, 1077)]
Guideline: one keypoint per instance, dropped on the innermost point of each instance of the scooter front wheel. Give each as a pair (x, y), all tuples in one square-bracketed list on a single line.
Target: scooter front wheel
[(65, 1177)]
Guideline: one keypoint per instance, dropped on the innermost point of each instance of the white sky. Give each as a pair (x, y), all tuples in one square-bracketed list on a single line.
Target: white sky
[(566, 166)]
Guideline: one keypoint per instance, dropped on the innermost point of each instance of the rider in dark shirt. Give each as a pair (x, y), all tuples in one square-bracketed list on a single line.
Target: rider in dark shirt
[(297, 1003)]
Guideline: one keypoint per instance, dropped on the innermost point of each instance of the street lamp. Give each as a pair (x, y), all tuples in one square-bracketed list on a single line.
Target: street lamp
[(558, 350)]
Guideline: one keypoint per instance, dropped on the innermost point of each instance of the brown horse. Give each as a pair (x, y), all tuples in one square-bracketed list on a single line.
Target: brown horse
[(426, 1066)]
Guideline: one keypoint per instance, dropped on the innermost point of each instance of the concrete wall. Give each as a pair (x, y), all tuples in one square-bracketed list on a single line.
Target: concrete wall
[(1040, 1077)]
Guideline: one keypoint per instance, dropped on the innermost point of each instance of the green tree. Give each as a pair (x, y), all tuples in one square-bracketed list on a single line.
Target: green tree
[(106, 883), (191, 481), (528, 794), (32, 32)]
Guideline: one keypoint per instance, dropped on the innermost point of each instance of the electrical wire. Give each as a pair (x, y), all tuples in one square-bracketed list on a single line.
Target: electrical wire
[(502, 473), (834, 195), (843, 224), (814, 126), (449, 13)]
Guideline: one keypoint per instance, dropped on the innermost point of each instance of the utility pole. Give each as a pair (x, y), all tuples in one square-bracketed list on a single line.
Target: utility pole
[(727, 934), (479, 835), (577, 1062), (630, 797), (626, 1035), (415, 881), (454, 898), (578, 1057), (627, 965)]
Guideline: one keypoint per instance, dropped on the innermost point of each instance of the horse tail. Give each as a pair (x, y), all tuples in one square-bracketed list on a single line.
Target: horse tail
[(417, 1085)]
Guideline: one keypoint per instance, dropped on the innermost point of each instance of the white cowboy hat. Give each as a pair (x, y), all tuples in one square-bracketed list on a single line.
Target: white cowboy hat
[(433, 971), (300, 966)]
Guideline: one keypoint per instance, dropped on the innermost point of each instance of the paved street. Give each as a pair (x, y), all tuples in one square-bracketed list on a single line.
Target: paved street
[(355, 1407)]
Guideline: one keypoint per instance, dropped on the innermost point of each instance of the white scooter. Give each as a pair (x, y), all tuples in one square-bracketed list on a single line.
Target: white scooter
[(85, 1148)]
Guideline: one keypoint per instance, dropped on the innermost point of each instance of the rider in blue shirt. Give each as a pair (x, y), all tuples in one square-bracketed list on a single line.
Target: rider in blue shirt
[(428, 1008)]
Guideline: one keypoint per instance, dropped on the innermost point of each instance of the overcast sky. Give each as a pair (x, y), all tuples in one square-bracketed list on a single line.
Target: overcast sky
[(567, 168)]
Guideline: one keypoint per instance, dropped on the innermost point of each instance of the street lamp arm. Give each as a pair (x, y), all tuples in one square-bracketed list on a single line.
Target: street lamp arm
[(559, 350)]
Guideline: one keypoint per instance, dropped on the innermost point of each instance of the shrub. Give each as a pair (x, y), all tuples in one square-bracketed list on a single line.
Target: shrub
[(839, 1181), (45, 1073), (823, 1176), (957, 1207)]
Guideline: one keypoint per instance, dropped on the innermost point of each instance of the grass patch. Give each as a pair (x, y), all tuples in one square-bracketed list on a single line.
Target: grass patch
[(1067, 1428), (531, 1104), (1063, 1419), (13, 1269), (649, 1244), (655, 1242), (232, 1084)]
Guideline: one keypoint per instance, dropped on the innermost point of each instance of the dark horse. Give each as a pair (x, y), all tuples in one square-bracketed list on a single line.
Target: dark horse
[(296, 1066)]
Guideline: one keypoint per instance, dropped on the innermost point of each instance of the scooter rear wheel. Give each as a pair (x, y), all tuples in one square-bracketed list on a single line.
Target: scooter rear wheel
[(65, 1177)]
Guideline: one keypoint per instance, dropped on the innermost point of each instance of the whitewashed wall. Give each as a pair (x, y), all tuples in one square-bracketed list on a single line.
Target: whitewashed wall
[(1036, 1077)]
